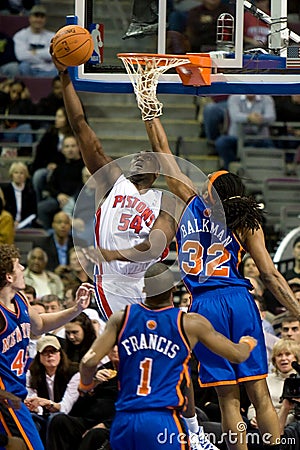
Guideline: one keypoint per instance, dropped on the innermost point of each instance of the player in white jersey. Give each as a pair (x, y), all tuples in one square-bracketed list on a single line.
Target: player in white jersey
[(129, 211)]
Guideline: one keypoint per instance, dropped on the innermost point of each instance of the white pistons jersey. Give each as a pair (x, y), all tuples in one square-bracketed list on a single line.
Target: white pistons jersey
[(123, 221)]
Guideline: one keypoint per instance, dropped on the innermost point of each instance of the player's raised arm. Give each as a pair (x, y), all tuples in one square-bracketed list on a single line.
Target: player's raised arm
[(43, 323), (199, 329), (90, 146), (177, 181), (100, 347)]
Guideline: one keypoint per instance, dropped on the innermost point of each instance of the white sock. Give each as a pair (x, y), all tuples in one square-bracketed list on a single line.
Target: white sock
[(192, 423)]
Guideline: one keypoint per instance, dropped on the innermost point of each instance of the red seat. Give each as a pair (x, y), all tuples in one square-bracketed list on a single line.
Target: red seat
[(38, 87), (11, 24)]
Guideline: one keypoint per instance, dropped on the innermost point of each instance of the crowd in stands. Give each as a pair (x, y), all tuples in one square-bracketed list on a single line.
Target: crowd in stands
[(43, 194), (66, 420)]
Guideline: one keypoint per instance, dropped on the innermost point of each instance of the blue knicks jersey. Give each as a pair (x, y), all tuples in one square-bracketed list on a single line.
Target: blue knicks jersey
[(209, 253), (154, 355), (14, 347)]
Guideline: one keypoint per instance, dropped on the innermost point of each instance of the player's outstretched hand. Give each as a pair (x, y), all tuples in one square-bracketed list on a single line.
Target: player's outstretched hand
[(83, 296), (60, 67), (9, 400)]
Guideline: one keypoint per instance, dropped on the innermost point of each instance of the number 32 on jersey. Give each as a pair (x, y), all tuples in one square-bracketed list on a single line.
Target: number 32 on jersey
[(215, 264)]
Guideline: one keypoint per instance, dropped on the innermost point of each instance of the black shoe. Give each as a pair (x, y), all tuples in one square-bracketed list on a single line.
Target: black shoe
[(140, 30)]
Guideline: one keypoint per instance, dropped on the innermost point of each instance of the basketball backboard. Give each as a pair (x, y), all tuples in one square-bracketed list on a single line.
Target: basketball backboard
[(274, 69)]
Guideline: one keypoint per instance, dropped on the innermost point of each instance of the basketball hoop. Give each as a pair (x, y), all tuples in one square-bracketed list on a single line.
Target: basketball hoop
[(144, 70)]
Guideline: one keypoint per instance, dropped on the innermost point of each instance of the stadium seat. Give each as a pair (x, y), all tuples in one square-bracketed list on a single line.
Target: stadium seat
[(259, 164), (279, 193)]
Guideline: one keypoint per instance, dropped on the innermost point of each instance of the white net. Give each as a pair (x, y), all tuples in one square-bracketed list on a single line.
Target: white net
[(144, 77)]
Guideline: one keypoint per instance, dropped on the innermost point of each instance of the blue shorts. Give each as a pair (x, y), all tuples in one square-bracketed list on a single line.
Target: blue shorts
[(19, 423), (232, 312), (149, 430)]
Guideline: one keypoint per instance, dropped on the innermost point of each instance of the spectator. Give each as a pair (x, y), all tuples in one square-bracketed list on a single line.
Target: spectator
[(70, 292), (30, 294), (80, 334), (256, 31), (214, 120), (290, 327), (7, 225), (256, 113), (66, 431), (18, 319), (295, 271), (178, 14), (59, 243), (17, 6), (52, 303), (49, 153), (9, 66), (294, 284), (201, 25), (52, 383), (39, 307), (32, 46), (15, 100), (249, 268), (267, 326), (193, 26), (77, 270), (98, 323), (47, 106), (44, 281), (20, 197), (64, 185), (283, 354)]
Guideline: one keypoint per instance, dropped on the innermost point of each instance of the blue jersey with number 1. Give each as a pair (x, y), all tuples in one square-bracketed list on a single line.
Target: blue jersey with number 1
[(154, 353), (209, 253), (14, 339)]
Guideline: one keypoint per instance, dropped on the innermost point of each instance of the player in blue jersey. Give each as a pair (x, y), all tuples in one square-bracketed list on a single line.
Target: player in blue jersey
[(17, 319), (154, 343), (210, 250), (214, 230)]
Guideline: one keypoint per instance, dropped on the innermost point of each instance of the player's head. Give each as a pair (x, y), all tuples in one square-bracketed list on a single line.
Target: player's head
[(226, 190), (144, 168), (9, 257), (159, 284)]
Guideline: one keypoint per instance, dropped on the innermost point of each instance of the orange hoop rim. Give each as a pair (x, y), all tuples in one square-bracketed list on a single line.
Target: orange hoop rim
[(140, 57)]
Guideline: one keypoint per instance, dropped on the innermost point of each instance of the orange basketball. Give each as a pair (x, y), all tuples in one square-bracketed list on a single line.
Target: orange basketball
[(73, 45)]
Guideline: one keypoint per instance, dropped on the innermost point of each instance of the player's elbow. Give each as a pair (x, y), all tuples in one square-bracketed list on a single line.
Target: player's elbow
[(270, 278)]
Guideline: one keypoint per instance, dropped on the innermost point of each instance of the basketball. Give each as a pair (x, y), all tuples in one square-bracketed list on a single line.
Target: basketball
[(72, 45)]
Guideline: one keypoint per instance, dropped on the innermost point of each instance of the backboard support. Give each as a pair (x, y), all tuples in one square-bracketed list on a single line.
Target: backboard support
[(276, 72)]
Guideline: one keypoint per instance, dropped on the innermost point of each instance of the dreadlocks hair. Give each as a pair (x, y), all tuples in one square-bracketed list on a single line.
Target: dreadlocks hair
[(241, 211)]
